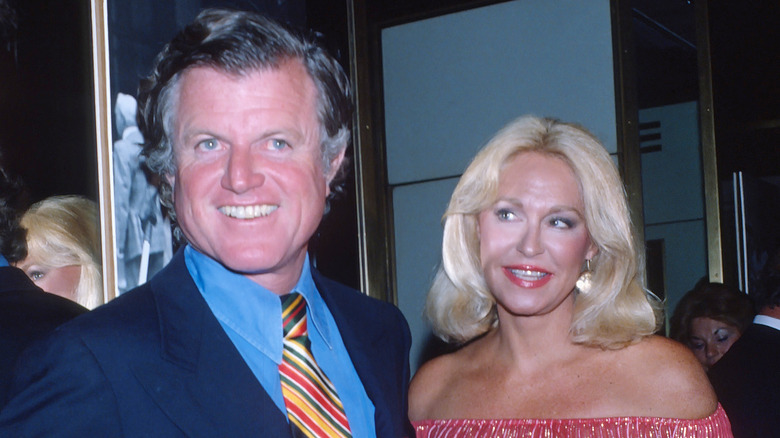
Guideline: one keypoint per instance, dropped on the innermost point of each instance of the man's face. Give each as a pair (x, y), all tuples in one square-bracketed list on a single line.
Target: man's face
[(249, 190)]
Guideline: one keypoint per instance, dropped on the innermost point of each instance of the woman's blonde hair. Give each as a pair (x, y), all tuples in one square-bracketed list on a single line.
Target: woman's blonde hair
[(615, 312), (64, 231)]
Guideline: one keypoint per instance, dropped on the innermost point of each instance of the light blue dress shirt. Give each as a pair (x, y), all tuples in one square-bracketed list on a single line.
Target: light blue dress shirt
[(252, 318)]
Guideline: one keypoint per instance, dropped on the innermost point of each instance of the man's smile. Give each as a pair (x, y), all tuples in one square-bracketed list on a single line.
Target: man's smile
[(247, 211)]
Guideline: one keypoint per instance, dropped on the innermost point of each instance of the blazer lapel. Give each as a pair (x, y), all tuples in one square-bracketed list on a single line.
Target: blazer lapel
[(363, 342), (202, 382)]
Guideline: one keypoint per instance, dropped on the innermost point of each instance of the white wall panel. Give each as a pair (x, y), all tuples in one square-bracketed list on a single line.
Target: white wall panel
[(451, 82), (417, 214)]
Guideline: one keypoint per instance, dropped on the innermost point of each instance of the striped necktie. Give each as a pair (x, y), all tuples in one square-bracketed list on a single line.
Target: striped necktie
[(313, 406)]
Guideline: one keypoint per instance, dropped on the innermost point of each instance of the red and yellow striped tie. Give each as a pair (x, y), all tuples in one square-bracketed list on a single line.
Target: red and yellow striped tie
[(311, 400)]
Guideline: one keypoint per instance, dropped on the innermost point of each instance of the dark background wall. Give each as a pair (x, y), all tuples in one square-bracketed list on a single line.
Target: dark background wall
[(47, 112)]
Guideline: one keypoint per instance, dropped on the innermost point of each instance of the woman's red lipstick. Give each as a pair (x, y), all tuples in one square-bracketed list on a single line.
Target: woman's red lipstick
[(528, 277)]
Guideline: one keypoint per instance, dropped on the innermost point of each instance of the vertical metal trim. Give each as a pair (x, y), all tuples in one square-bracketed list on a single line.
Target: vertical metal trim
[(708, 144), (740, 230), (371, 198), (627, 112), (735, 186), (102, 101)]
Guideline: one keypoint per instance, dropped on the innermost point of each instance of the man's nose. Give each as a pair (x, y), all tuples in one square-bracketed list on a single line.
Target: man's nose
[(243, 171)]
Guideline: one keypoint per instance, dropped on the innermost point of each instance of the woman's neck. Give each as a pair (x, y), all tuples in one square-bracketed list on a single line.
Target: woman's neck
[(538, 338)]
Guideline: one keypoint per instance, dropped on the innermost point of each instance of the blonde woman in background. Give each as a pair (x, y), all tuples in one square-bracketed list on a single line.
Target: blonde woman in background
[(63, 248)]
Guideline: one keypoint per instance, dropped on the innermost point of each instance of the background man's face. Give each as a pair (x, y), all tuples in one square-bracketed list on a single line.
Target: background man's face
[(249, 190)]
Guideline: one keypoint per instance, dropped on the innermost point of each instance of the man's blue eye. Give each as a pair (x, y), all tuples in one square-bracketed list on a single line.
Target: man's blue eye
[(277, 144), (209, 144)]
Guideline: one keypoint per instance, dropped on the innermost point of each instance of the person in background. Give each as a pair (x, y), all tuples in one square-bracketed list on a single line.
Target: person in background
[(709, 319), (246, 124), (26, 312), (542, 283), (143, 235), (63, 248), (747, 378)]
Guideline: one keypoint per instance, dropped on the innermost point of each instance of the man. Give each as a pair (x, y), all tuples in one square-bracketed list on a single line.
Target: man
[(26, 312), (142, 233), (747, 378), (246, 124)]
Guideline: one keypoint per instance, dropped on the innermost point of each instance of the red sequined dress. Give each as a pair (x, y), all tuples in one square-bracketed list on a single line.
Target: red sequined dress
[(715, 426)]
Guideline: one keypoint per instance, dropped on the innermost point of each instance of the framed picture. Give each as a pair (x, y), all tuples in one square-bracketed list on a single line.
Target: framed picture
[(136, 233)]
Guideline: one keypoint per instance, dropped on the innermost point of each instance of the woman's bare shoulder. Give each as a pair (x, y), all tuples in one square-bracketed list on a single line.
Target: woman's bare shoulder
[(429, 383), (440, 385), (671, 378)]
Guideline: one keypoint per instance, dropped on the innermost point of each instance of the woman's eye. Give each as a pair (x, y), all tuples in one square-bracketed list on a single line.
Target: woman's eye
[(696, 346), (35, 275), (560, 222), (208, 145), (504, 214)]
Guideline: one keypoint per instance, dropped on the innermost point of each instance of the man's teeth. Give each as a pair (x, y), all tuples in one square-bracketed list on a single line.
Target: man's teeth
[(528, 275), (247, 211)]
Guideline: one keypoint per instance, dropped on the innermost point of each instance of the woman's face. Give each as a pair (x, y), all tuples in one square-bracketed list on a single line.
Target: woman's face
[(533, 239), (711, 339), (61, 281)]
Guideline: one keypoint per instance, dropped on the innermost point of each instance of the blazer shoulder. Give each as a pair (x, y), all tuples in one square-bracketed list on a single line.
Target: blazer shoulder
[(365, 321), (139, 310), (341, 296), (21, 299), (756, 353), (58, 377)]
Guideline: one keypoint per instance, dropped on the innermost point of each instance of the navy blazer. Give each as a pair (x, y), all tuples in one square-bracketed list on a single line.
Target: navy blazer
[(26, 314), (747, 382), (155, 362)]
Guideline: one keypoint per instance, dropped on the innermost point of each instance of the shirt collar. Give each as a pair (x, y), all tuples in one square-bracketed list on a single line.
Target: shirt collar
[(3, 261), (317, 309), (768, 321), (249, 309)]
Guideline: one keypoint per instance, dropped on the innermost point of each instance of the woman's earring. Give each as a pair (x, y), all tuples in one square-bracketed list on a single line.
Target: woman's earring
[(584, 283)]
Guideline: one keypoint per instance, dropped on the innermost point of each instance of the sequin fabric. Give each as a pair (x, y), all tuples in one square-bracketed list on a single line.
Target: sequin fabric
[(715, 426)]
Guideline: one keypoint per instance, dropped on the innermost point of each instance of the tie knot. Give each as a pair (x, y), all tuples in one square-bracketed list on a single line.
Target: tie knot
[(293, 315)]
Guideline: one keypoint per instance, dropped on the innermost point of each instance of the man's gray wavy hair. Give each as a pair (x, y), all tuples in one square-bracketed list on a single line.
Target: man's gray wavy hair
[(238, 42)]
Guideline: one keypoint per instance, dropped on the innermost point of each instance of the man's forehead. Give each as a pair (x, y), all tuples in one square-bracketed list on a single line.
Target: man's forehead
[(286, 65), (290, 76)]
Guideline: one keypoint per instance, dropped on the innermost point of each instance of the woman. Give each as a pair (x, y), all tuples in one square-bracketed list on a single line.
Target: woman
[(540, 210), (63, 248), (709, 319)]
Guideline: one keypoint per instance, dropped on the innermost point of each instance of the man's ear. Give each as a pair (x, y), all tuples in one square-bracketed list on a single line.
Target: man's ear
[(170, 178), (335, 166)]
